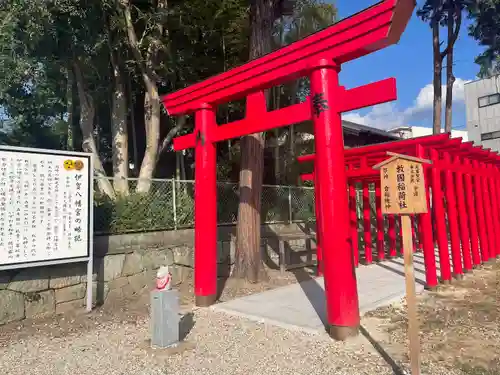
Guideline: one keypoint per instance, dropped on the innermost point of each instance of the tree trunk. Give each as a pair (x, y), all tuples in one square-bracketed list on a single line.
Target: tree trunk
[(177, 166), (437, 81), (152, 108), (277, 159), (119, 130), (87, 113), (454, 24), (180, 123), (70, 109), (73, 137), (182, 166), (152, 105), (248, 264), (450, 80), (131, 106)]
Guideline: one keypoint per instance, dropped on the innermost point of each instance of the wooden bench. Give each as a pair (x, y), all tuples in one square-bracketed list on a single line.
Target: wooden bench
[(284, 255)]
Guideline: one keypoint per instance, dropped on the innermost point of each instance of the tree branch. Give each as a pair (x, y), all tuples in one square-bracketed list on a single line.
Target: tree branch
[(451, 42), (147, 74), (181, 122)]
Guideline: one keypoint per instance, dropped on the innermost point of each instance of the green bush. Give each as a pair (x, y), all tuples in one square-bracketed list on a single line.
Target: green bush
[(141, 212)]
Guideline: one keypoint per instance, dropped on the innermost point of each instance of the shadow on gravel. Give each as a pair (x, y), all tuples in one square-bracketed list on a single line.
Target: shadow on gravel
[(386, 356), (186, 324)]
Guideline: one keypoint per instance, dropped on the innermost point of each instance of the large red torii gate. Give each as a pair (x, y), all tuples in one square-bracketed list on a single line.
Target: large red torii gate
[(318, 56)]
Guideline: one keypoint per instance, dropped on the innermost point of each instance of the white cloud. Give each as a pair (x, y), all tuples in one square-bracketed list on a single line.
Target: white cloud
[(387, 115)]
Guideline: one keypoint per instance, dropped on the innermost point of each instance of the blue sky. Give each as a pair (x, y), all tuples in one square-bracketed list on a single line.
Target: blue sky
[(410, 62)]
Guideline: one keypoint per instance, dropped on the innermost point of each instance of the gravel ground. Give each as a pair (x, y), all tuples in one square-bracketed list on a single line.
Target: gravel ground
[(217, 344), (113, 340)]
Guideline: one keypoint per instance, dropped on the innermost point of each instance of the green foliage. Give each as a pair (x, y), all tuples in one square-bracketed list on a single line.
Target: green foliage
[(142, 212), (486, 30)]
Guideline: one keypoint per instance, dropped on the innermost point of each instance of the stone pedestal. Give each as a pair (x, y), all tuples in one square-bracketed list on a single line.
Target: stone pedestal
[(164, 318)]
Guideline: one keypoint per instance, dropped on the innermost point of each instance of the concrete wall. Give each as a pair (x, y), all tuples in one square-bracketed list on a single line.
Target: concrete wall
[(484, 119), (124, 265)]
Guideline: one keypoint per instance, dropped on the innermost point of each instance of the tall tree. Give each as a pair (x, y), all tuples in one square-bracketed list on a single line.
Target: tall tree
[(453, 23), (248, 265), (442, 13), (297, 20)]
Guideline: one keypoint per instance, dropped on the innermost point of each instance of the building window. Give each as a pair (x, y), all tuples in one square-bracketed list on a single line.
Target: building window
[(487, 100), (491, 135)]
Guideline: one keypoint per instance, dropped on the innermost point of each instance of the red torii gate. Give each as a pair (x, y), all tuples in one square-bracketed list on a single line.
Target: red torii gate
[(467, 177), (320, 57)]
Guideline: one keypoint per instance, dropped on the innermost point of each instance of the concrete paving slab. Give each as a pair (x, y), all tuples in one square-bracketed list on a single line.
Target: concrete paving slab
[(302, 306)]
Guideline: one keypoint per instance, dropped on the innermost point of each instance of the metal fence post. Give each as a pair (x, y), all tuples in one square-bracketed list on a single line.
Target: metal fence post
[(174, 204), (290, 215)]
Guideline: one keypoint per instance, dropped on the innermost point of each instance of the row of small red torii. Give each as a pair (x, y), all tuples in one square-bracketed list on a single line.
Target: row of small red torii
[(464, 176), (318, 57)]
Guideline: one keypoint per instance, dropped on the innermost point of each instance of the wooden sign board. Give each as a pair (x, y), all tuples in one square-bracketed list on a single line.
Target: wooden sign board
[(403, 185), (403, 193)]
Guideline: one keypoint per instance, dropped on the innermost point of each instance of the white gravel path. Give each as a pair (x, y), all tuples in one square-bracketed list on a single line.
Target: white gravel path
[(217, 344)]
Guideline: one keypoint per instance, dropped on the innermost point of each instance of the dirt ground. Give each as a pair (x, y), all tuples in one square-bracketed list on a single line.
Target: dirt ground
[(459, 325)]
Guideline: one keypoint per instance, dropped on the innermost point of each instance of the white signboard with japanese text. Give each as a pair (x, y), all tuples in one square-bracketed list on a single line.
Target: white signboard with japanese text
[(46, 207)]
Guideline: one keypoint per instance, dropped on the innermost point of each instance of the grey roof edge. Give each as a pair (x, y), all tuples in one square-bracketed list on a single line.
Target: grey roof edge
[(368, 129)]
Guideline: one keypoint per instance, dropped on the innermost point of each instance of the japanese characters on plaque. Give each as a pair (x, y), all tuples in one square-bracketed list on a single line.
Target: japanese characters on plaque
[(403, 187), (44, 206)]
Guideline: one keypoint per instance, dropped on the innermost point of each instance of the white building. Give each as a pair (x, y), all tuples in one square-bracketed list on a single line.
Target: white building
[(482, 106), (420, 131)]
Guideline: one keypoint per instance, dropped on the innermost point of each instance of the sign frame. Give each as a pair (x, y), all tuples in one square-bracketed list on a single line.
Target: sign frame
[(89, 257), (416, 204)]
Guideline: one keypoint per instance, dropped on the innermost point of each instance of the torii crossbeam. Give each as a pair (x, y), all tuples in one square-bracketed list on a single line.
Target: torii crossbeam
[(319, 57)]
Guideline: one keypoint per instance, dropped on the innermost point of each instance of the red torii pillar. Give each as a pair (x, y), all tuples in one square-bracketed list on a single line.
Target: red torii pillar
[(462, 217), (471, 211), (367, 226), (451, 205), (494, 207), (439, 215), (319, 229), (490, 229), (478, 197), (497, 190), (353, 219), (380, 222), (425, 229)]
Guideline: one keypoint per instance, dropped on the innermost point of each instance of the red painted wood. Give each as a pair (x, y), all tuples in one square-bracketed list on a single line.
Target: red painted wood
[(481, 218), (353, 223), (380, 223), (451, 205), (319, 230), (205, 209), (462, 217), (367, 226), (472, 217), (439, 215), (338, 262)]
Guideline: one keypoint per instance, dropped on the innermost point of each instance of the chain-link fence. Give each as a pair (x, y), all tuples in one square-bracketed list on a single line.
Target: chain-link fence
[(169, 204)]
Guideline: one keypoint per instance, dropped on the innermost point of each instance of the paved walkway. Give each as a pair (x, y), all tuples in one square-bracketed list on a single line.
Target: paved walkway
[(302, 306)]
